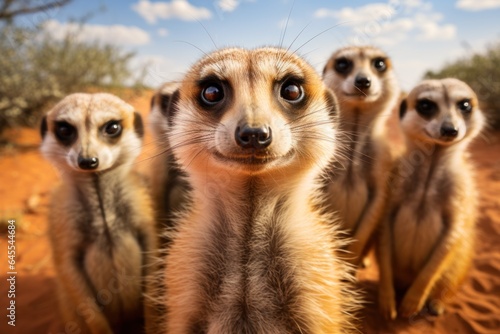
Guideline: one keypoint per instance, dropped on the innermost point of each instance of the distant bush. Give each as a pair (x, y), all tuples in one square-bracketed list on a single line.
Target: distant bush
[(36, 71), (482, 73)]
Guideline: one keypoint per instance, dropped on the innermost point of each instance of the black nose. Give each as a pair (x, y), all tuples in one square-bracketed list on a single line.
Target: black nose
[(250, 137), (362, 82), (449, 130), (88, 163)]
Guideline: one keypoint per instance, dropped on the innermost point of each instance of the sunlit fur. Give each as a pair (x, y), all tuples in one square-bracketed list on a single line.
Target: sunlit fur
[(100, 221), (427, 238), (252, 254), (357, 184)]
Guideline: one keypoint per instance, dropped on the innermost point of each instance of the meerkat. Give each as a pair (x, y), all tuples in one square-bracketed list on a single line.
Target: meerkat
[(170, 192), (254, 130), (169, 187), (101, 224), (427, 236), (363, 79)]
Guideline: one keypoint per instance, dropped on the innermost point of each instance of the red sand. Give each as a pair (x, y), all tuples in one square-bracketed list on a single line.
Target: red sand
[(27, 178)]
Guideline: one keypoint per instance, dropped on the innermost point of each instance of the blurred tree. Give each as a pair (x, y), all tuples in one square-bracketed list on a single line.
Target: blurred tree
[(482, 72), (9, 9), (36, 70)]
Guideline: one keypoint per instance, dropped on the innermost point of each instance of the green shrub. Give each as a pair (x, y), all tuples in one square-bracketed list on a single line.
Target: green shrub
[(482, 73), (37, 70)]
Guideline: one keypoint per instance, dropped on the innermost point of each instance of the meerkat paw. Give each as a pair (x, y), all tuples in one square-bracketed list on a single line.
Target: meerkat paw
[(366, 263), (412, 304), (387, 305), (436, 307)]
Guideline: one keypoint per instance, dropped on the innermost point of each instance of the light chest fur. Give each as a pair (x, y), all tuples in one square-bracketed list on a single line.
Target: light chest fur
[(425, 200)]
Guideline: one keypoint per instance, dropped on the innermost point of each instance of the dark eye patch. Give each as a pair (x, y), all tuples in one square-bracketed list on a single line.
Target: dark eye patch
[(112, 129), (380, 64), (212, 91), (343, 65), (212, 94), (65, 133), (465, 106), (292, 91), (426, 108)]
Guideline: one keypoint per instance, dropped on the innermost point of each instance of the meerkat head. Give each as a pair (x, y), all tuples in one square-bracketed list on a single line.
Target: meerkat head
[(159, 104), (91, 133), (441, 111), (251, 111), (361, 75)]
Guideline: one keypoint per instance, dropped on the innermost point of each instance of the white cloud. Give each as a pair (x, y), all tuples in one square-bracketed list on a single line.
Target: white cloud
[(431, 31), (390, 23), (113, 34), (228, 5), (355, 16), (178, 9), (477, 5), (159, 69), (162, 32)]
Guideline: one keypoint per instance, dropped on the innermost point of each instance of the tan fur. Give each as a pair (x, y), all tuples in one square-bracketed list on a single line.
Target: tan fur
[(427, 237), (253, 255), (357, 185), (101, 220)]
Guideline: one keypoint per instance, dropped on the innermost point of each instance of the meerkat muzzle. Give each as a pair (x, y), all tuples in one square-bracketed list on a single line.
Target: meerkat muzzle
[(88, 163), (253, 137)]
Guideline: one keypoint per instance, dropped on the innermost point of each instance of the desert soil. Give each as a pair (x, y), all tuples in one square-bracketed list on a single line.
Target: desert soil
[(26, 181)]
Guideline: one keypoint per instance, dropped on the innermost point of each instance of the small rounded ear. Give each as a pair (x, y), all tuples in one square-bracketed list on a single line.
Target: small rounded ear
[(331, 100), (164, 102), (138, 125), (152, 103), (402, 109), (328, 65), (324, 70), (171, 107), (43, 127)]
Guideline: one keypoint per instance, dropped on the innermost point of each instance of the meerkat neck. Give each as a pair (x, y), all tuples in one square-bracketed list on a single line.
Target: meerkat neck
[(250, 194), (422, 159), (99, 192), (433, 151), (359, 119)]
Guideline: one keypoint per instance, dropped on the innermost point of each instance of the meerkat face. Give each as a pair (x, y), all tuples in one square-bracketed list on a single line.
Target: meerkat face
[(91, 133), (252, 111), (359, 74), (441, 111)]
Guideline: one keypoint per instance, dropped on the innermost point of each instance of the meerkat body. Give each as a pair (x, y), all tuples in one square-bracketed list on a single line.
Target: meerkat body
[(366, 88), (169, 188), (101, 220), (427, 237), (254, 131), (170, 192)]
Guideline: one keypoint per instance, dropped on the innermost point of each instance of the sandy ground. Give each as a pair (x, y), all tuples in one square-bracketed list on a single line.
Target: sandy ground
[(26, 181)]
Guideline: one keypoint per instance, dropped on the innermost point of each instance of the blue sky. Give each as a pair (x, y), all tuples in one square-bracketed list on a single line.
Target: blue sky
[(170, 35)]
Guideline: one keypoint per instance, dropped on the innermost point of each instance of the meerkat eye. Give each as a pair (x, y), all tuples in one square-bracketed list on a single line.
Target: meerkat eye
[(426, 107), (380, 64), (65, 132), (212, 94), (291, 91), (112, 129), (343, 65), (465, 106)]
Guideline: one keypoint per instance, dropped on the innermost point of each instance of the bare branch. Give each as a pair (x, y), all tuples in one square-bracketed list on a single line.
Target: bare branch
[(8, 13)]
